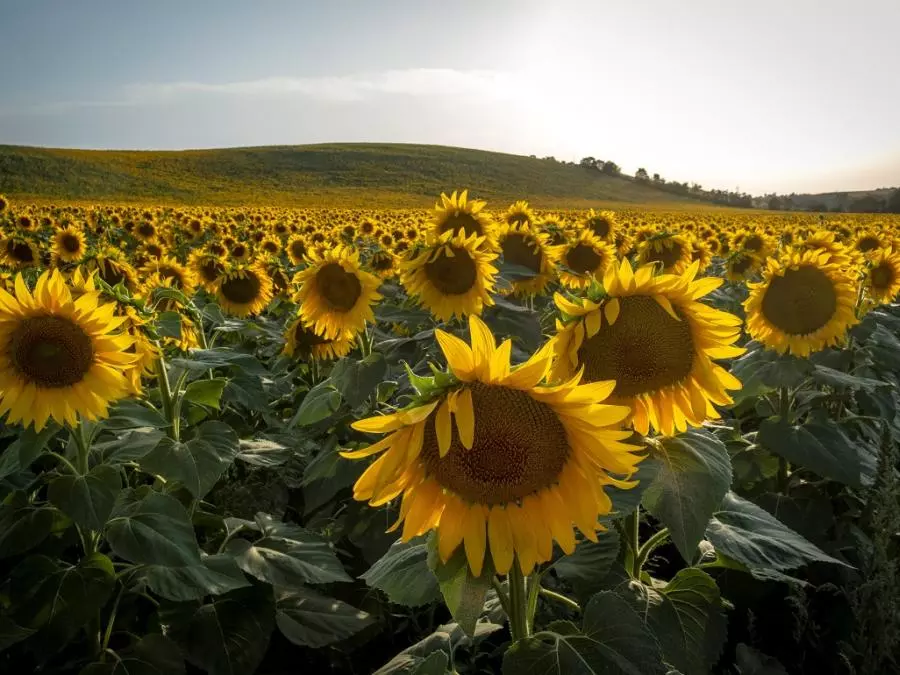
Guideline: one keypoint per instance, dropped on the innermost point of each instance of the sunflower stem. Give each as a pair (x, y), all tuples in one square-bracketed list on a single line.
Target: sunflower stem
[(82, 441), (165, 393), (647, 548), (533, 585), (518, 609), (498, 589), (559, 597), (110, 623), (65, 461), (635, 543), (784, 412)]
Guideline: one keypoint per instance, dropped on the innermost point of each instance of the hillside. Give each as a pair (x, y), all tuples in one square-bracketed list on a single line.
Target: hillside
[(307, 175)]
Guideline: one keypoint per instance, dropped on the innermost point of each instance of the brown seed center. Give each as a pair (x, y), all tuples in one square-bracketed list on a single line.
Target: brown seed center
[(341, 289), (51, 351), (519, 250), (583, 259), (801, 301), (452, 276), (241, 290)]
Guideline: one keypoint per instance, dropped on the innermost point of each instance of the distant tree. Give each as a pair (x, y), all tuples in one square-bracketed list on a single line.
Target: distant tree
[(641, 174), (533, 156), (611, 168), (866, 204), (658, 179), (549, 158), (893, 204), (588, 162), (774, 203)]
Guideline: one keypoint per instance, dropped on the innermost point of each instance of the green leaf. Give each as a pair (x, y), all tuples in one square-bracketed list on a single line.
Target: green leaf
[(419, 659), (58, 600), (613, 641), (821, 447), (587, 567), (624, 502), (215, 575), (128, 447), (24, 527), (841, 380), (230, 635), (761, 370), (320, 402), (463, 593), (28, 445), (301, 558), (326, 475), (686, 618), (356, 380), (752, 662), (153, 654), (168, 324), (206, 392), (263, 452), (694, 476), (745, 532), (87, 499), (12, 633), (154, 530), (522, 324), (309, 619), (197, 463), (204, 359), (130, 413), (403, 574)]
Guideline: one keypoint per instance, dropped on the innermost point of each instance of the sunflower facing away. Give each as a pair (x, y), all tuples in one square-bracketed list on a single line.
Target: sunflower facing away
[(652, 337), (303, 342), (804, 303), (336, 295), (882, 280), (60, 357), (244, 290), (452, 277), (519, 466)]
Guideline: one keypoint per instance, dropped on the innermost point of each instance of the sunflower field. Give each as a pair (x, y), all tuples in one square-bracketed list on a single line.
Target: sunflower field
[(461, 440)]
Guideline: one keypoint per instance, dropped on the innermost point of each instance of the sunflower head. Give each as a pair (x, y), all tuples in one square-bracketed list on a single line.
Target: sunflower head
[(496, 462), (530, 249), (242, 290), (458, 214), (519, 214), (804, 303), (68, 245), (882, 276), (4, 204), (602, 224), (584, 258), (672, 252), (19, 252), (302, 342)]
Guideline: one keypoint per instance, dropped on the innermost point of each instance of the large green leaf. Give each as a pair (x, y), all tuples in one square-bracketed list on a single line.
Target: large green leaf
[(128, 447), (206, 392), (463, 593), (19, 454), (694, 476), (320, 402), (624, 502), (87, 499), (153, 529), (204, 359), (309, 619), (228, 636), (841, 380), (57, 599), (822, 447), (197, 463), (24, 527), (588, 566), (130, 413), (403, 574), (745, 532), (215, 575), (752, 662), (264, 452), (289, 561), (685, 616), (153, 654), (356, 380), (613, 641), (327, 474), (424, 657), (12, 633)]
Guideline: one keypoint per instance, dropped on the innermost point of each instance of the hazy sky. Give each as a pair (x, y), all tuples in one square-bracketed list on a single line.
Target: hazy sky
[(786, 95)]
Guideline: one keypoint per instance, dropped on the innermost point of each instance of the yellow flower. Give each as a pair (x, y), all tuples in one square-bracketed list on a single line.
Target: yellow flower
[(673, 252), (523, 246), (602, 225), (458, 214), (68, 245), (882, 280), (498, 463), (60, 357), (652, 337), (303, 342), (585, 257), (243, 290)]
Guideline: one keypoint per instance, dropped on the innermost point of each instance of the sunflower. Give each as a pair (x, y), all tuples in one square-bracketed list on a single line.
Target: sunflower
[(207, 267), (868, 242), (459, 214), (384, 264), (521, 465), (882, 280), (59, 357), (451, 277), (805, 303), (168, 272), (4, 203), (113, 269), (602, 225), (652, 337), (523, 246), (270, 245), (19, 253), (673, 252), (741, 265), (68, 245), (303, 342), (586, 257), (757, 243), (243, 290), (519, 213), (146, 230), (336, 295), (701, 252), (238, 252)]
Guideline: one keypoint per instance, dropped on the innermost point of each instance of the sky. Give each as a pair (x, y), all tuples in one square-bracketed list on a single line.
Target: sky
[(762, 96)]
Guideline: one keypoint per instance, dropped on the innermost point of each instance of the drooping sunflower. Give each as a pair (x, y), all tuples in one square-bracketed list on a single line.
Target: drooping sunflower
[(804, 303), (19, 252), (451, 277), (882, 280), (242, 290), (303, 342), (653, 338), (60, 358), (585, 257), (68, 245), (336, 295), (521, 464), (741, 265), (672, 252), (459, 214), (526, 247)]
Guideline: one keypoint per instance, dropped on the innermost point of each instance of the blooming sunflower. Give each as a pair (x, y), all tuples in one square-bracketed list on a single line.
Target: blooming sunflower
[(741, 265), (207, 267), (168, 272), (19, 253), (519, 213), (656, 341), (383, 263), (602, 224), (113, 269), (452, 277), (585, 257), (882, 280), (336, 295), (301, 341), (243, 290), (459, 214), (804, 303), (524, 246), (868, 242), (521, 465), (673, 252), (296, 249), (60, 358), (68, 245)]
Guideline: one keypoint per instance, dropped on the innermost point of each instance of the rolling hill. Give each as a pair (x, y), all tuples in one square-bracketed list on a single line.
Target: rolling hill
[(374, 175)]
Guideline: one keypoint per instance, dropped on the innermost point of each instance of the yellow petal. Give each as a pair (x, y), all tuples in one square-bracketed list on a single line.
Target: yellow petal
[(475, 538), (458, 354), (592, 323), (443, 428), (483, 346), (465, 418), (611, 309), (501, 539)]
